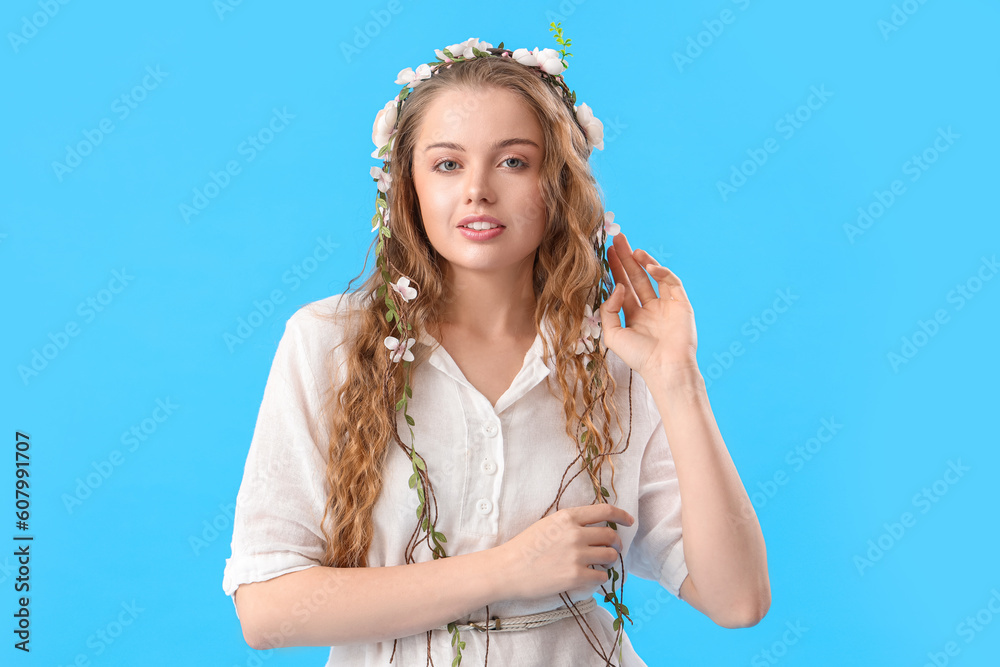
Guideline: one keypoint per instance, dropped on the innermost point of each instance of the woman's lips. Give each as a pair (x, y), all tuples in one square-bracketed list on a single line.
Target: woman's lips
[(481, 235)]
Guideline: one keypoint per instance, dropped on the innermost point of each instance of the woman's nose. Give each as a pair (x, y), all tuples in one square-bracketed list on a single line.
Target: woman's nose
[(479, 184)]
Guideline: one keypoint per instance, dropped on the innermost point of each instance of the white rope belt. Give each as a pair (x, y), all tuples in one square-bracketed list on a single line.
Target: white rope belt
[(530, 621)]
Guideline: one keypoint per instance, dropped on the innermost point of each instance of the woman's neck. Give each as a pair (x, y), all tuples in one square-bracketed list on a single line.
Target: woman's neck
[(493, 306)]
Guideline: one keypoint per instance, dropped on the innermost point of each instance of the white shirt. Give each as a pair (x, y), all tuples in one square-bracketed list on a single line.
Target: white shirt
[(494, 470)]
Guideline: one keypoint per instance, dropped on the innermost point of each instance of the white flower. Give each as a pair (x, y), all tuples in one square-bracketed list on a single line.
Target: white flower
[(463, 49), (382, 128), (591, 329), (610, 226), (411, 78), (400, 351), (592, 127), (549, 61), (402, 287), (591, 323), (384, 179), (526, 57)]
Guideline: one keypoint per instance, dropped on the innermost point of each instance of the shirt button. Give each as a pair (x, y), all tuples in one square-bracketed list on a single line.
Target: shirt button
[(489, 467), (484, 506), (490, 429)]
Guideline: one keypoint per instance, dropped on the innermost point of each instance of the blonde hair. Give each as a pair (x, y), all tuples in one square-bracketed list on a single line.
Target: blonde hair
[(567, 273)]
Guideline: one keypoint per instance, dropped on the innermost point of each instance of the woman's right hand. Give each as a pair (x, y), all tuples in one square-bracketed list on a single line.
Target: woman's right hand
[(554, 554)]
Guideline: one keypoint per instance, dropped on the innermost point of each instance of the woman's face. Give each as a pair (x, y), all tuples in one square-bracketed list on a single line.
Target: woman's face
[(479, 153)]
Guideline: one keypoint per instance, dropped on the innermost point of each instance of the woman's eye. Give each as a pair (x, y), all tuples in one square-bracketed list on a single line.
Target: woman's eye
[(521, 164)]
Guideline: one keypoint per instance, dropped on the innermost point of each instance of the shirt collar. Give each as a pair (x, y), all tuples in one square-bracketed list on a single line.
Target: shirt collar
[(533, 370)]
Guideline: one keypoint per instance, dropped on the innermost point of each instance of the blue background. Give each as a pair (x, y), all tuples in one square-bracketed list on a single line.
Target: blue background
[(674, 129)]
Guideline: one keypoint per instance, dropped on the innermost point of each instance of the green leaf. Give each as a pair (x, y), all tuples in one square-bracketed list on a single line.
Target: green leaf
[(609, 597), (461, 645), (409, 420), (454, 636), (420, 493), (399, 404), (440, 537), (418, 461), (612, 524), (614, 576), (385, 230), (452, 626), (423, 526), (409, 392), (380, 292), (617, 624), (388, 316), (624, 610), (413, 480), (456, 661)]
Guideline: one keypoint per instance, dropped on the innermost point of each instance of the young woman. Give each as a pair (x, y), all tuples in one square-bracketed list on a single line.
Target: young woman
[(435, 472)]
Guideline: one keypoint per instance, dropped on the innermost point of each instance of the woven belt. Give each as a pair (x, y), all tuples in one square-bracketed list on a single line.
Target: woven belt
[(530, 621)]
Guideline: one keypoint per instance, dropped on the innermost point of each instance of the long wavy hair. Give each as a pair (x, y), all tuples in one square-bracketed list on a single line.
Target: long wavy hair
[(568, 272)]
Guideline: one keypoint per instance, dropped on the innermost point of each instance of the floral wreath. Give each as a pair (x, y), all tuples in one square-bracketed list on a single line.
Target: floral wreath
[(550, 65)]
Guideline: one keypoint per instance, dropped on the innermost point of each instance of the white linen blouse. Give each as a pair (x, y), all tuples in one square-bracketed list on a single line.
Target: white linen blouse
[(494, 469)]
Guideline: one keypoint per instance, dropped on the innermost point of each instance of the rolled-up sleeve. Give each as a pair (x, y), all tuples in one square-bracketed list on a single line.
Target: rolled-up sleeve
[(657, 549), (279, 507)]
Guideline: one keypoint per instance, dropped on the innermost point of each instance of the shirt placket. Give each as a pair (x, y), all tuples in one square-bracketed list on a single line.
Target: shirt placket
[(484, 464)]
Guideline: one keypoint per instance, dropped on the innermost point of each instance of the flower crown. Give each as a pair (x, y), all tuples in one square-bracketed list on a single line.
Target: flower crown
[(550, 64)]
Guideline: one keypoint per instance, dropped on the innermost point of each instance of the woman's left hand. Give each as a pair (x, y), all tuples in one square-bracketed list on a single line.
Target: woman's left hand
[(659, 333)]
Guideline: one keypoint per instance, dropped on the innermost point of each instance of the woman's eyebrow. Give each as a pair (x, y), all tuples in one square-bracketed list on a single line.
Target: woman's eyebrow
[(503, 143)]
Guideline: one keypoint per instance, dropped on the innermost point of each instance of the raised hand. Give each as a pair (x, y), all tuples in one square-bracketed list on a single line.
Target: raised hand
[(659, 332)]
